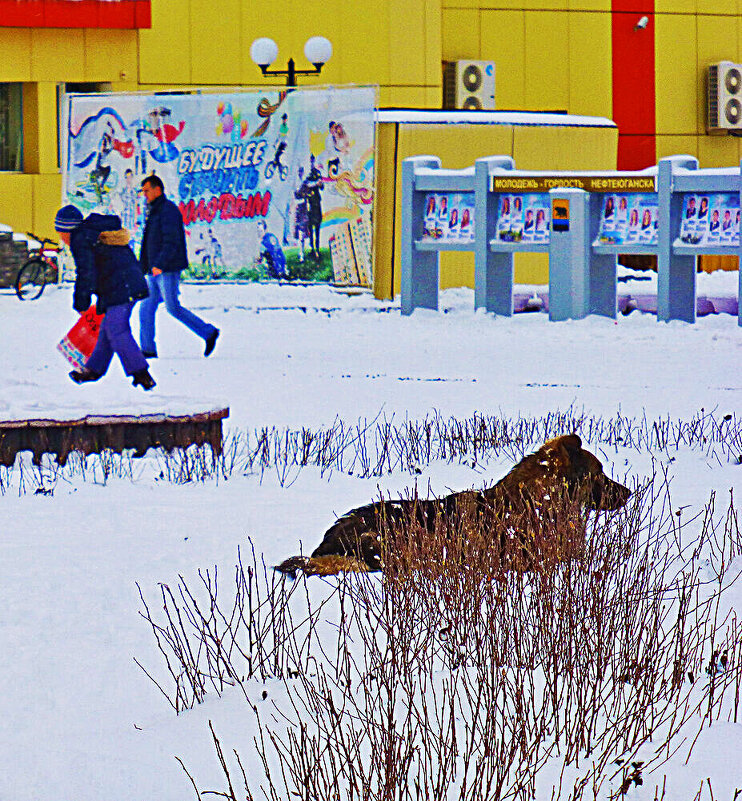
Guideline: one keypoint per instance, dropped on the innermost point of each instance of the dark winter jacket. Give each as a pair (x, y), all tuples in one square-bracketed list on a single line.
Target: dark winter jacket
[(105, 265), (163, 241)]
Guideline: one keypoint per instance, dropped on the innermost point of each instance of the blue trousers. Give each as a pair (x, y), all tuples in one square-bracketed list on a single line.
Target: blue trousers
[(165, 286), (115, 337)]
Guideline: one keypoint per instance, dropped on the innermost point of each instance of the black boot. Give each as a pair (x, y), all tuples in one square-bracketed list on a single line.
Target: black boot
[(143, 379), (211, 342), (83, 375)]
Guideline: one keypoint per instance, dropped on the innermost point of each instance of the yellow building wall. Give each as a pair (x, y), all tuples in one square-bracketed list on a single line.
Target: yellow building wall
[(690, 35), (15, 46), (552, 54), (546, 61), (16, 200), (164, 52), (590, 62), (549, 54), (508, 52), (40, 59), (393, 43)]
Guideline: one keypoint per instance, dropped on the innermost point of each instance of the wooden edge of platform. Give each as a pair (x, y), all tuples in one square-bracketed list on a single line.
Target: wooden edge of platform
[(113, 419)]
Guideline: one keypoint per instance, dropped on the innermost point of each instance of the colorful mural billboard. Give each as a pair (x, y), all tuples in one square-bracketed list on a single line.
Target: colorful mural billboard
[(271, 184)]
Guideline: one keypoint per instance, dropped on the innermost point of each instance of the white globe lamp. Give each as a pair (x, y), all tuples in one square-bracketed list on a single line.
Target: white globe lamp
[(264, 51), (318, 50)]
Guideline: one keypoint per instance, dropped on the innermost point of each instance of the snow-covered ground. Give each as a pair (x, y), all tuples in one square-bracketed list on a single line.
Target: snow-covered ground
[(80, 721)]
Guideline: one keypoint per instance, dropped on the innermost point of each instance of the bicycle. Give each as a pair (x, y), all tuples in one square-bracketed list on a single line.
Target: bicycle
[(33, 275), (275, 164)]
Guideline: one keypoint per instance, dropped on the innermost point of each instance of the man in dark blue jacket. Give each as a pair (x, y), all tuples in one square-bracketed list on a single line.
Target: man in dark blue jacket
[(163, 256), (105, 266)]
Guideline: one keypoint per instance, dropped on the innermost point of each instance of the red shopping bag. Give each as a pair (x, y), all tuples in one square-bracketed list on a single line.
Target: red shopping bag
[(79, 342)]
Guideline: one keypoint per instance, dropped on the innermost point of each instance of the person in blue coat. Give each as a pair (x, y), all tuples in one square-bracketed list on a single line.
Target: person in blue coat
[(271, 252), (105, 266), (163, 256)]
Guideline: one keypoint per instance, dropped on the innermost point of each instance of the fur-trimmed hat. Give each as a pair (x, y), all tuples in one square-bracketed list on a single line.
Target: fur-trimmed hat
[(67, 219)]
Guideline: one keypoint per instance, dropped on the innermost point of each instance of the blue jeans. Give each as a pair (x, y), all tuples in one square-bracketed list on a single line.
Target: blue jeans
[(165, 287), (115, 337)]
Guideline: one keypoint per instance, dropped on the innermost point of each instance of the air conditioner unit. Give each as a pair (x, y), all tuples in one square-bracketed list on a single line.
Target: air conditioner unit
[(724, 96), (469, 85)]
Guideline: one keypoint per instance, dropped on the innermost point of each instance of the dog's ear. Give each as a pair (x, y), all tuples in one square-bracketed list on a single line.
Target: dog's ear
[(570, 442)]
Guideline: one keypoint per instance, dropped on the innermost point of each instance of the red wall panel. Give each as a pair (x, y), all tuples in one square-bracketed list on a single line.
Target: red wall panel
[(63, 14), (117, 15), (633, 83), (142, 14), (75, 13), (14, 13)]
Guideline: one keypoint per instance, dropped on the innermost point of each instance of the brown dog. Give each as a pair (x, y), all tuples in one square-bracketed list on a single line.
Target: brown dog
[(521, 513)]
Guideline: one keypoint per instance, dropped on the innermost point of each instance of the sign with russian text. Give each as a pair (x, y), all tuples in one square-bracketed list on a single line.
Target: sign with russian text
[(590, 183), (264, 179)]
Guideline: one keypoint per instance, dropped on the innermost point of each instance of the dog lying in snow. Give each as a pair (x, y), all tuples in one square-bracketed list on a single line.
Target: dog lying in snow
[(520, 512)]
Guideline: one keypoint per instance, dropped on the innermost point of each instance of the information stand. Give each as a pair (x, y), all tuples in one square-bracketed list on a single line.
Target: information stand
[(583, 220), (624, 218), (438, 214), (570, 216), (507, 224), (699, 215)]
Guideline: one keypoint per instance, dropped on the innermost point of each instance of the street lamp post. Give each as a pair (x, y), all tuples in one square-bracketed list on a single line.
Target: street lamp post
[(318, 51)]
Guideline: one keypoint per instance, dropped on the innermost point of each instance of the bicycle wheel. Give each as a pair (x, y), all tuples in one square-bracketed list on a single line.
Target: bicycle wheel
[(31, 279)]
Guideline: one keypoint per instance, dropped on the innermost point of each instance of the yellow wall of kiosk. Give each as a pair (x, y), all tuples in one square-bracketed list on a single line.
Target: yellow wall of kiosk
[(458, 146)]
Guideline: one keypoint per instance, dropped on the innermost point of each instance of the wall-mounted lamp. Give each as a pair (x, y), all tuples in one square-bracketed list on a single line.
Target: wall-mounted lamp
[(264, 52), (641, 23)]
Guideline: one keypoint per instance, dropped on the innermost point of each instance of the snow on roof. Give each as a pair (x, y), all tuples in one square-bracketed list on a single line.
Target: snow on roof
[(707, 171), (445, 171), (451, 117)]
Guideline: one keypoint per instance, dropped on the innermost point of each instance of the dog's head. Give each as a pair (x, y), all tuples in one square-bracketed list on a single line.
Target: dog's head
[(565, 461)]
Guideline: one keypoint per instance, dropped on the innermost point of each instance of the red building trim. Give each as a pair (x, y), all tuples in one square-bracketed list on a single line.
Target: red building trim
[(75, 14), (633, 83)]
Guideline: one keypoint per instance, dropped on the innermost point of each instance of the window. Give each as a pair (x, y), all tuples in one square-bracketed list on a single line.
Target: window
[(11, 127)]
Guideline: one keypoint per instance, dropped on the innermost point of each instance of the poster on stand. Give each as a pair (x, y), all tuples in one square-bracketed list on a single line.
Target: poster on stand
[(271, 184), (449, 217), (629, 219), (523, 218), (710, 219)]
